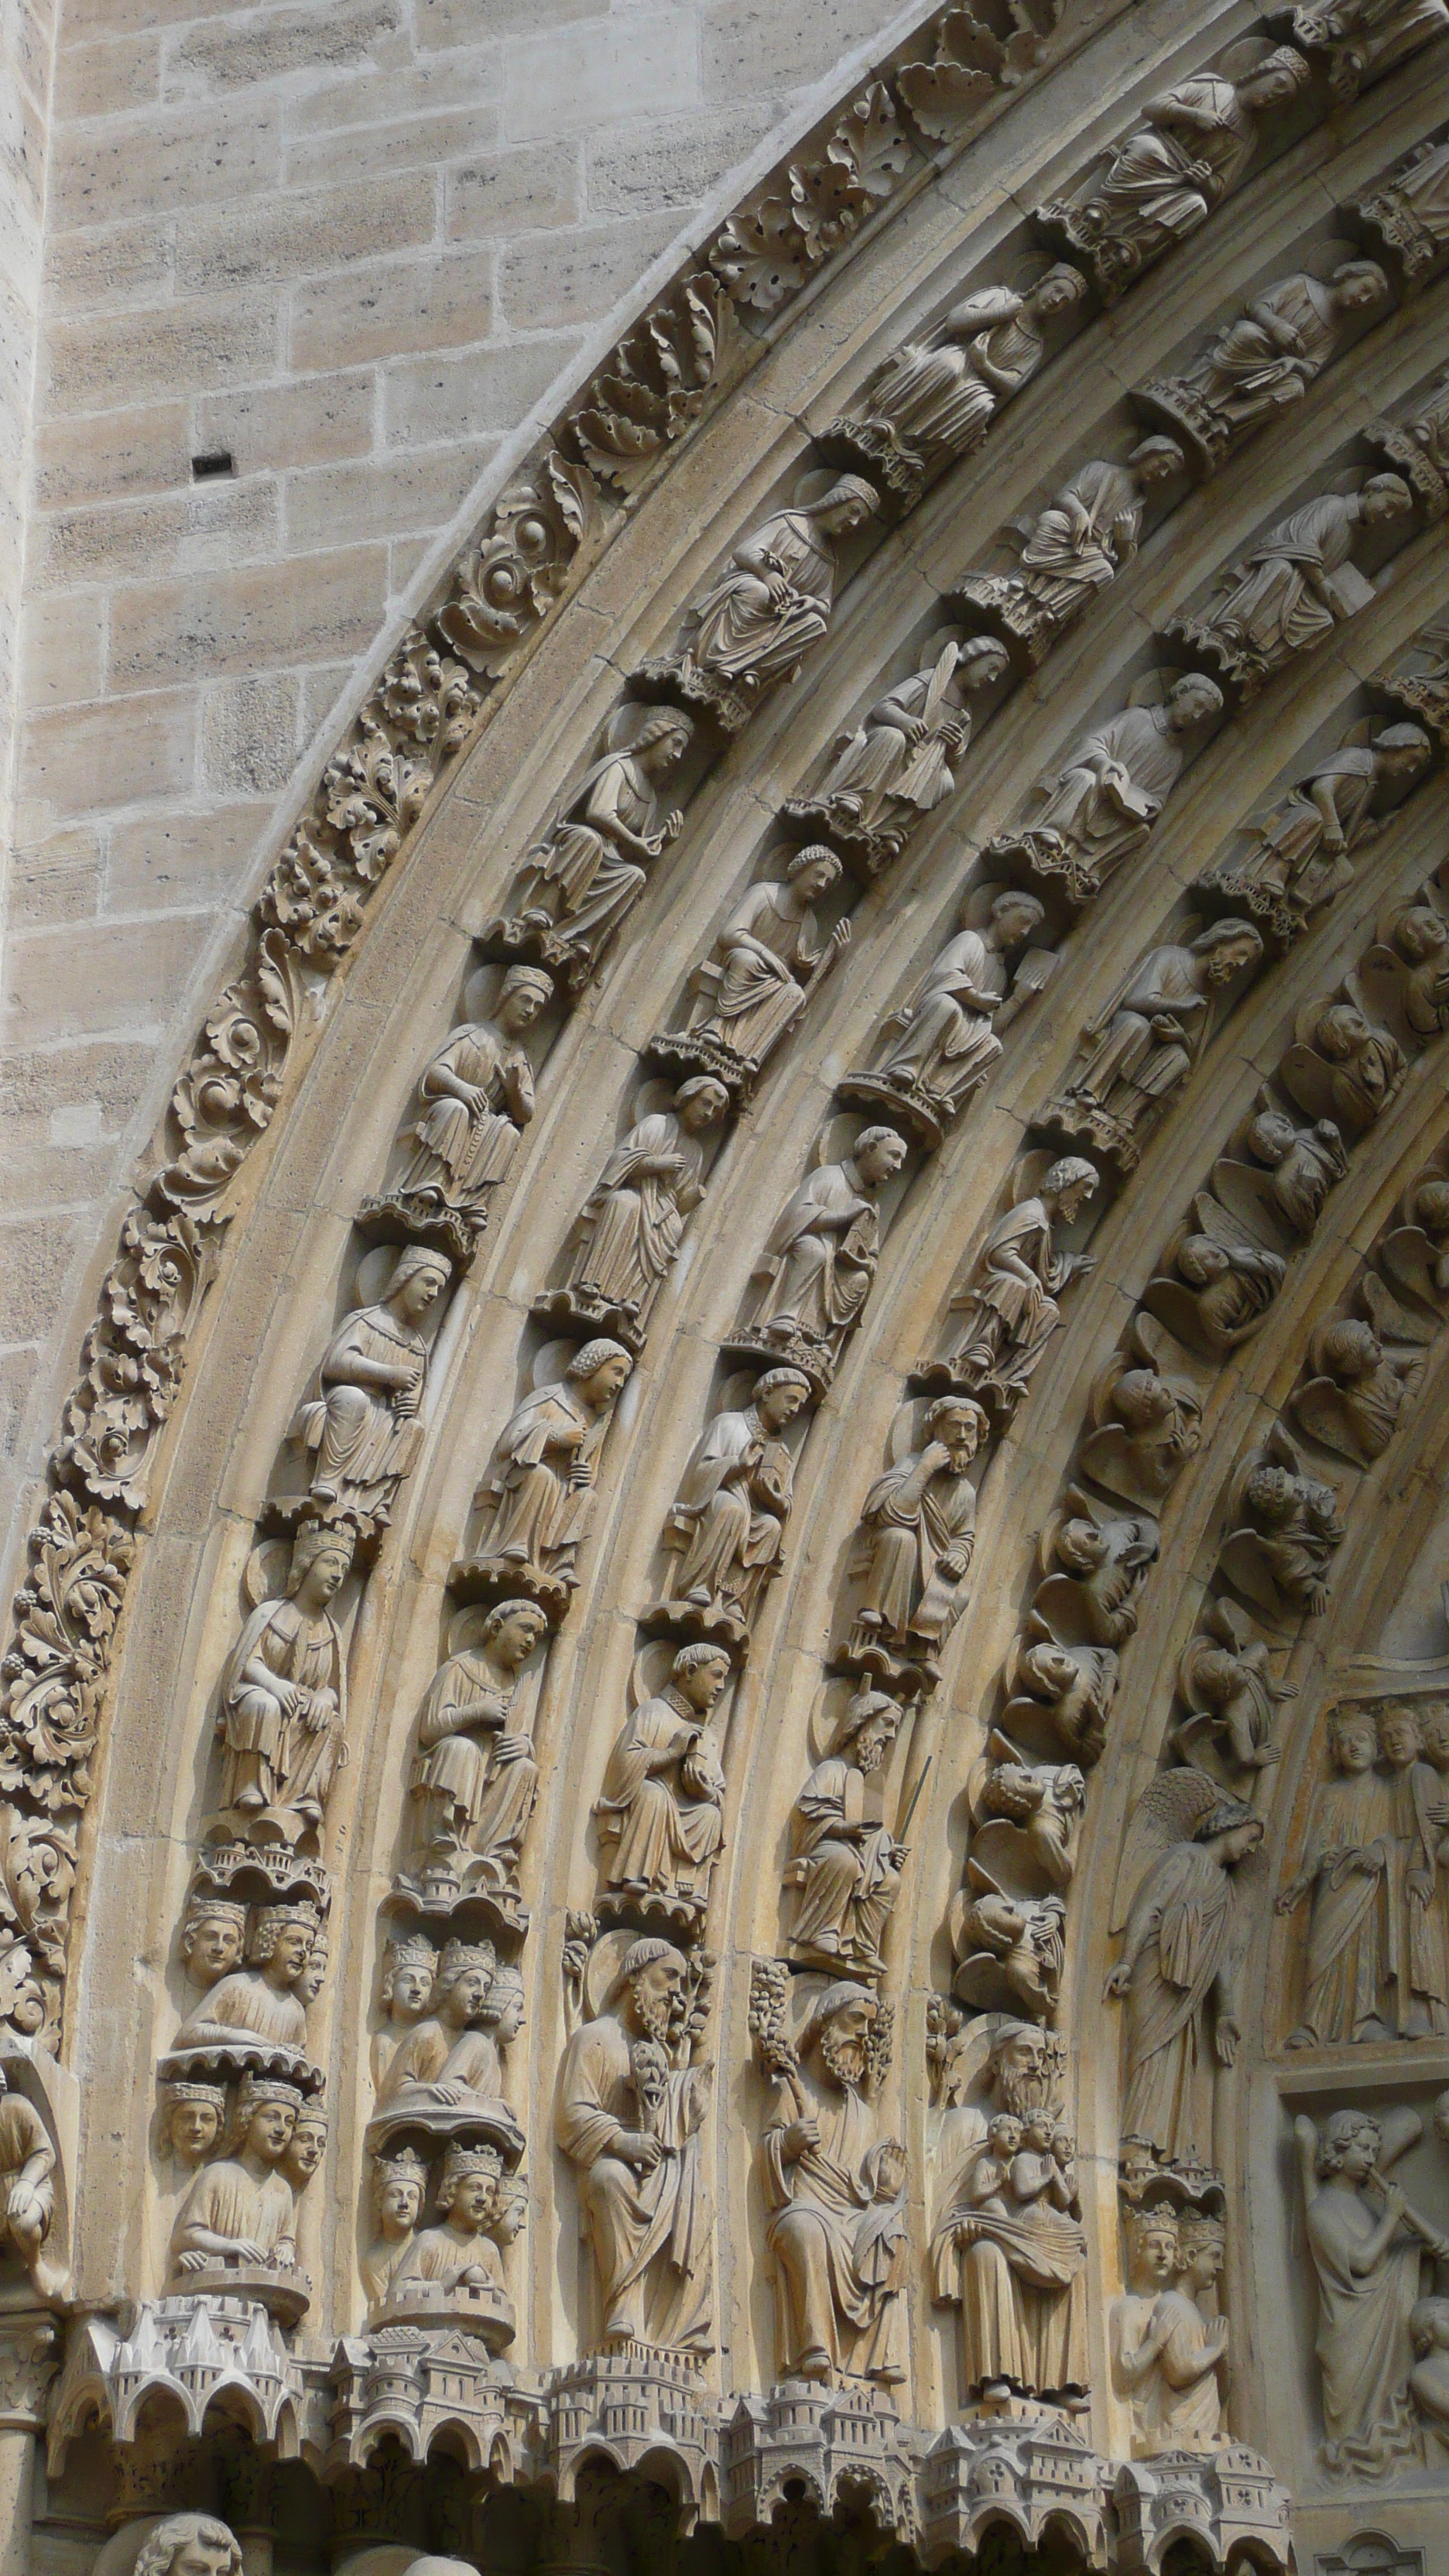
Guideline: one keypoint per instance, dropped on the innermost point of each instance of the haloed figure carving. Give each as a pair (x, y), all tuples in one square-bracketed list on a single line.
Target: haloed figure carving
[(360, 1414), (1146, 1042), (540, 1480), (844, 1864), (660, 1820), (1296, 585), (1098, 811), (1300, 857), (632, 1223), (1267, 357), (1010, 1301), (284, 1697), (474, 1779), (936, 397), (946, 1044), (1011, 2254), (899, 762), (587, 873), (1077, 546), (770, 605), (727, 1529), (814, 1276), (476, 1097), (1178, 1966)]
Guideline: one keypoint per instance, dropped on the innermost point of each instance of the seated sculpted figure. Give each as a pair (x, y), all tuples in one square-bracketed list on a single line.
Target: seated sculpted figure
[(727, 1529), (946, 1044), (1300, 857), (284, 1696), (1144, 1044), (769, 606), (632, 1223), (538, 1491), (900, 761), (360, 1414), (399, 2185), (766, 963), (240, 2212), (1267, 357), (458, 2253), (917, 1534), (476, 1098), (845, 1866), (1296, 585), (835, 2190), (1102, 805), (936, 397), (587, 873), (1010, 1300), (1078, 545), (474, 1779), (27, 2186), (1363, 39), (660, 1808), (814, 1275)]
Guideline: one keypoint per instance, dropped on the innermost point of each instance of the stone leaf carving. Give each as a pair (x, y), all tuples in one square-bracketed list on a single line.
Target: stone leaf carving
[(236, 2230), (1009, 1300), (656, 384), (902, 760), (760, 975), (582, 880), (773, 244), (770, 604), (1298, 583), (834, 2186), (916, 1539), (475, 1098), (1263, 361), (935, 398), (970, 61), (1361, 40), (360, 1415), (1146, 1041), (1169, 2353), (283, 1714), (133, 1358), (660, 1810), (1185, 1839), (504, 586), (1165, 177), (844, 1866), (537, 1496), (725, 1537), (475, 1776), (631, 2102), (947, 1033), (1075, 547), (1375, 1955), (1099, 809), (815, 1272), (1300, 856), (1381, 2344)]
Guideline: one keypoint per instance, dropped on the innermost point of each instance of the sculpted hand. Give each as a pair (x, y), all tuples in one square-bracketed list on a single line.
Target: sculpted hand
[(635, 2149), (799, 2138), (1118, 1980), (512, 1748), (1421, 1885), (1228, 2036)]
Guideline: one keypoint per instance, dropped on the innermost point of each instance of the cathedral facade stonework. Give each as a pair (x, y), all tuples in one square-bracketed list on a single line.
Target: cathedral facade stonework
[(724, 1730)]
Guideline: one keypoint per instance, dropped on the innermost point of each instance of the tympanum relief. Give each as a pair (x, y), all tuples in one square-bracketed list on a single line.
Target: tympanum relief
[(1382, 2329), (1368, 1896)]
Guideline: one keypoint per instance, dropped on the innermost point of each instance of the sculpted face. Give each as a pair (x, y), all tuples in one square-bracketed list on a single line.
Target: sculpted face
[(214, 1948), (882, 1160), (1241, 1841), (703, 1107), (292, 1952), (1192, 702), (520, 1010), (816, 880), (1399, 1737), (661, 755), (702, 1687), (654, 1990), (472, 2200), (783, 1403), (398, 2208), (608, 1379), (269, 2130), (514, 1641), (324, 1577), (305, 2150), (419, 1294), (1434, 1733), (509, 2022), (1354, 1748), (411, 1987), (1157, 2252), (199, 2558), (195, 2127), (468, 1994)]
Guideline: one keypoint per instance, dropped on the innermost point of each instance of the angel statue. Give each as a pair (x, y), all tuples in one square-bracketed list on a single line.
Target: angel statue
[(585, 876), (476, 1097), (361, 1412), (1343, 1062), (1357, 1390), (1300, 856), (1099, 809), (947, 1039), (1010, 1950), (1279, 1195), (1010, 1300), (1149, 1425), (1180, 1955), (1143, 1044), (1295, 586), (1094, 1563), (899, 763), (1030, 1811), (1416, 1254), (1167, 174), (1077, 546), (1225, 1678), (1220, 1288), (1281, 1553), (936, 398), (1058, 1690), (283, 1709), (770, 604)]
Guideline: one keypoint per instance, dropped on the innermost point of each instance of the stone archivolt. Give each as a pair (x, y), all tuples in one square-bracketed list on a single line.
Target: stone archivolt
[(652, 1777)]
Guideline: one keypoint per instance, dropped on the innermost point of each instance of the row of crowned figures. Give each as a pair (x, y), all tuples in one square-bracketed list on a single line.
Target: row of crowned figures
[(242, 2116)]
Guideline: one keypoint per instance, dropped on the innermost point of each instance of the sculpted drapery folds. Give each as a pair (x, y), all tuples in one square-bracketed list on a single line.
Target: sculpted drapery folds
[(1363, 39), (474, 1778), (1165, 177), (1177, 1972), (1010, 2252), (1412, 210), (899, 762), (1169, 2359), (361, 1413), (844, 1864), (754, 628), (936, 398), (399, 2186), (585, 876), (835, 2191), (1266, 359), (256, 2011), (660, 1816), (1102, 805), (917, 1534), (476, 1097), (451, 2061), (1143, 1046), (1009, 1304), (631, 2106), (1346, 1867), (765, 964), (28, 2164), (726, 1532), (1368, 2247), (1301, 857), (537, 1496), (947, 1043), (1077, 546), (1297, 584), (632, 1223), (820, 1257), (283, 1710), (240, 2213)]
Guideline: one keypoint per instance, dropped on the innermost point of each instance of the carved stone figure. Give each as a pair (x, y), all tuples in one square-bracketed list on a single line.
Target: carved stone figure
[(399, 2184), (1167, 2356), (1367, 2247), (361, 1412), (844, 1865), (726, 1531), (1225, 1677), (450, 2061), (408, 1971), (835, 2191), (1010, 1949), (1099, 810), (459, 2252), (936, 398), (1300, 857), (585, 876), (1150, 1427), (1178, 1967), (1343, 1062), (1011, 2253), (1265, 360), (302, 2156), (1280, 1194), (1408, 970), (900, 762), (761, 972), (1295, 586), (1347, 1865), (1041, 1804), (538, 1492), (1357, 1392), (814, 1275), (27, 2187), (191, 2120), (1416, 1254), (1221, 1287), (917, 1533), (1077, 547), (240, 2213), (947, 1043), (476, 1098), (1165, 177), (1363, 39), (659, 1811), (1411, 211), (1146, 1041), (1419, 1958), (632, 1223), (772, 602), (1073, 1686), (1282, 1554), (259, 2003), (213, 1937), (631, 2107), (1010, 1300), (1095, 1563), (474, 1778), (283, 1708), (189, 2544)]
